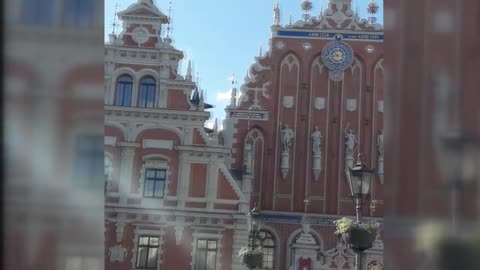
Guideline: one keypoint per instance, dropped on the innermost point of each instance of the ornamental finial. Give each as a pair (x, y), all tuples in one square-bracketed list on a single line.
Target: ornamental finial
[(276, 14), (306, 8)]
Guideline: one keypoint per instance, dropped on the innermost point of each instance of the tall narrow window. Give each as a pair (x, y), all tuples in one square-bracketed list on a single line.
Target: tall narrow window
[(123, 95), (206, 257), (267, 242), (38, 13), (89, 169), (79, 13), (147, 252), (146, 97), (154, 183)]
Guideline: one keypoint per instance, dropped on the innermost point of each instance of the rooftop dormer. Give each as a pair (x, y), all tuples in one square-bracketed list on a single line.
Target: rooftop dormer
[(142, 25)]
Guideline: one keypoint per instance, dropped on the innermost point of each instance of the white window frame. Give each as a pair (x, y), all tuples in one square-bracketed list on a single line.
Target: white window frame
[(204, 236), (154, 233), (154, 162)]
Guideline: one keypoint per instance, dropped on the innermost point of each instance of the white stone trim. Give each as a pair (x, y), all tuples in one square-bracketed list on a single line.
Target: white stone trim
[(292, 236), (137, 233), (109, 140), (233, 183), (158, 144)]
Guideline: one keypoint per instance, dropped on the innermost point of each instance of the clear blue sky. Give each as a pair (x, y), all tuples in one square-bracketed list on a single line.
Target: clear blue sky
[(222, 37)]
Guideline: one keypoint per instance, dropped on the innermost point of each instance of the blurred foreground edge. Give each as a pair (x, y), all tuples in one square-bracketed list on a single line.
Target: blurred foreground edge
[(431, 56), (53, 135)]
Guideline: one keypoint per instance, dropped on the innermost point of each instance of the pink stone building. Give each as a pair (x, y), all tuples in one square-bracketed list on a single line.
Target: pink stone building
[(177, 193)]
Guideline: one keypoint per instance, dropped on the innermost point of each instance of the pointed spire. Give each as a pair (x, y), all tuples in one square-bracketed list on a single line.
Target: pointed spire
[(215, 126), (233, 98), (188, 77), (169, 25), (201, 104), (290, 22), (261, 51), (276, 14), (114, 23)]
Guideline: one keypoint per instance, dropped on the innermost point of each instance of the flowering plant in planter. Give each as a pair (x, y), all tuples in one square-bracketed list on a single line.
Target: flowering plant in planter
[(251, 257), (345, 225), (357, 236)]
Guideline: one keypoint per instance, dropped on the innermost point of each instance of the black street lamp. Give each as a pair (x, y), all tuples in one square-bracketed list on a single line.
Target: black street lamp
[(252, 256), (360, 179)]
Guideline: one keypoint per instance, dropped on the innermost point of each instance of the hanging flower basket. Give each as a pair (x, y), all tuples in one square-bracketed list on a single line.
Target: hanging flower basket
[(357, 236), (359, 239), (250, 257)]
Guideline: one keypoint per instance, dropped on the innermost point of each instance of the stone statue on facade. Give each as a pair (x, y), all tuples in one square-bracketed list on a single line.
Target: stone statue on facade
[(350, 142), (316, 141), (286, 137), (380, 156), (380, 143), (317, 153), (248, 157)]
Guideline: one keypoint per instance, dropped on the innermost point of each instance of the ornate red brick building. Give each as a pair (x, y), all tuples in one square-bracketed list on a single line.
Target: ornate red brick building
[(307, 108), (178, 193), (171, 201)]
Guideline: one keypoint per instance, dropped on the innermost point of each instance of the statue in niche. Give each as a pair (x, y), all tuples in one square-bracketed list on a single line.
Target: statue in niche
[(316, 141), (350, 142), (286, 137), (380, 143)]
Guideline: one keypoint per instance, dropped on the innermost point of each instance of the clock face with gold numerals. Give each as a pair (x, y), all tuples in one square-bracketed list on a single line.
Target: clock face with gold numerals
[(337, 55)]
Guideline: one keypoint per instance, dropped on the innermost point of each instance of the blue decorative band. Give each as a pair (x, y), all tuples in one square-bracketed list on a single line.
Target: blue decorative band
[(323, 35)]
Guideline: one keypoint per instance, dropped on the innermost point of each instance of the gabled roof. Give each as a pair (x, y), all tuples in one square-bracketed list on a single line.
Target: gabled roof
[(143, 9)]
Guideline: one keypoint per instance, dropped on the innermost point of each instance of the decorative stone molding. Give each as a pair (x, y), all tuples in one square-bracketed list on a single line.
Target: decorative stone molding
[(178, 234), (319, 103), (380, 106), (153, 115), (351, 105), (158, 144), (120, 227), (288, 102), (111, 141), (117, 253)]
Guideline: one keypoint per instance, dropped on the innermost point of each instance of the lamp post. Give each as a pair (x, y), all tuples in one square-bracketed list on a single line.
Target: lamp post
[(360, 179), (252, 257), (255, 225)]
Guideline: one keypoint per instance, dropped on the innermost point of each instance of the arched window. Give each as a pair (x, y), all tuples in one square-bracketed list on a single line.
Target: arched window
[(123, 96), (146, 97), (267, 242)]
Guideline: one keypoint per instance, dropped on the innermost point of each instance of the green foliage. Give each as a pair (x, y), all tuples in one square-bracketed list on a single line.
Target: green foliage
[(249, 251), (345, 225)]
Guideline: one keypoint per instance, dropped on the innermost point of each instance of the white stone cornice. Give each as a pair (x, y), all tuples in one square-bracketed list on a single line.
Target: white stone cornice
[(154, 115), (203, 150), (174, 211)]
